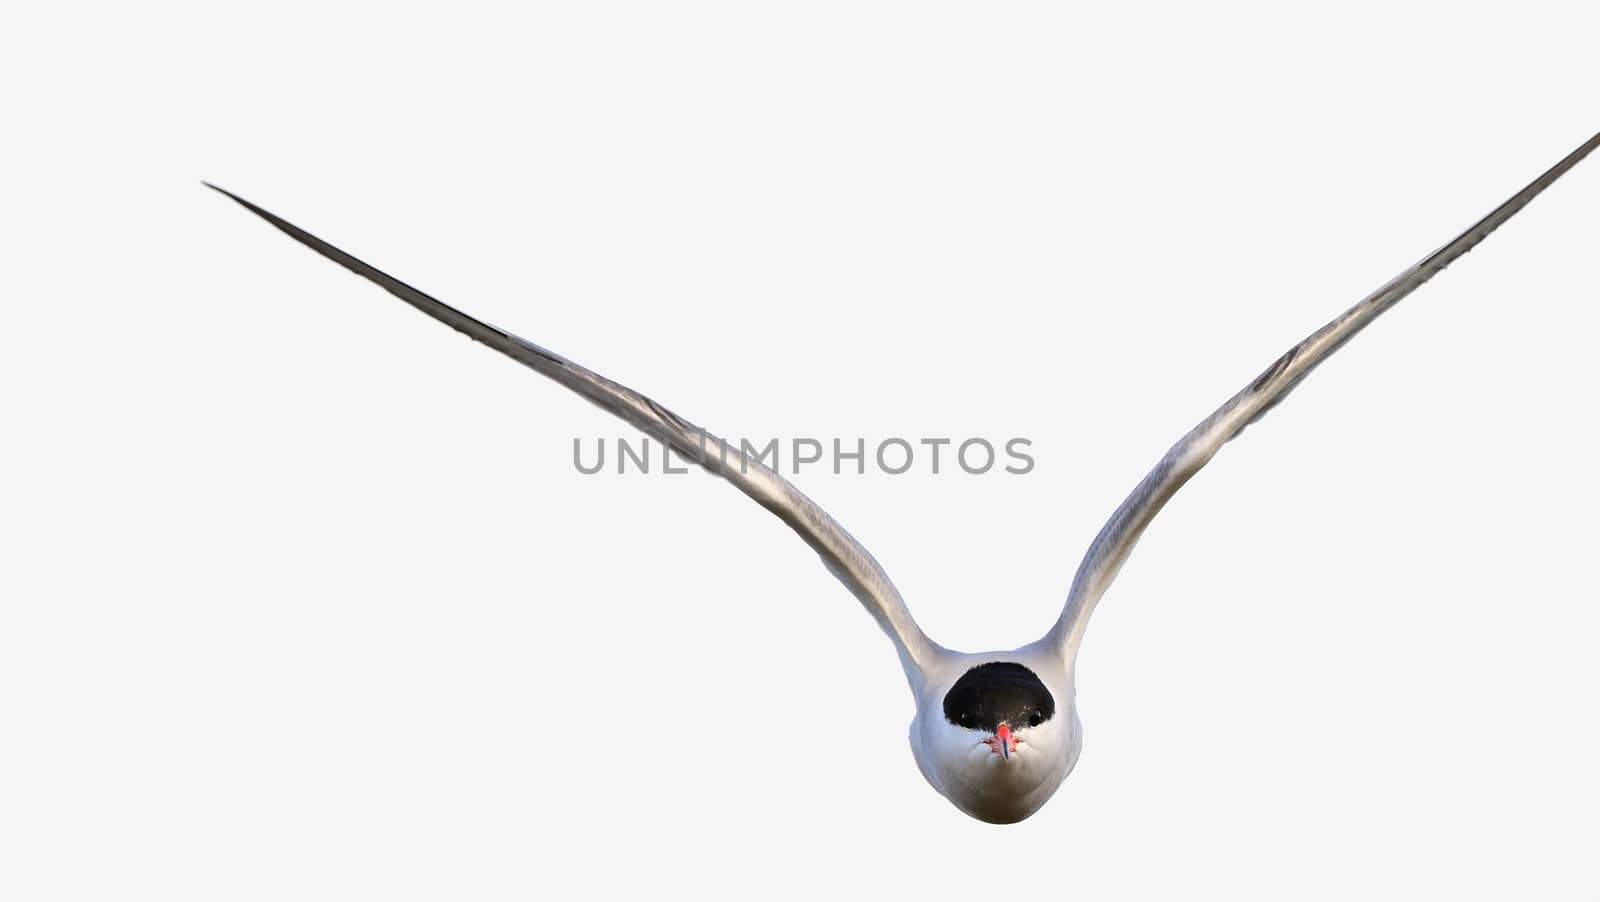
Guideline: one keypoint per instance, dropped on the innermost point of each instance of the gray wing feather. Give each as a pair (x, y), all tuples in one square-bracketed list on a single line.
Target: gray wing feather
[(840, 552), (1117, 538)]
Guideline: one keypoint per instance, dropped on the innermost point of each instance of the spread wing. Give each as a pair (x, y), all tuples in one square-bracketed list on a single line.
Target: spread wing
[(1117, 538), (842, 554)]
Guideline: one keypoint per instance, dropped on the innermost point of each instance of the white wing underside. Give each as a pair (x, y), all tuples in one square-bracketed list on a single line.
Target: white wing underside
[(840, 552), (1117, 538)]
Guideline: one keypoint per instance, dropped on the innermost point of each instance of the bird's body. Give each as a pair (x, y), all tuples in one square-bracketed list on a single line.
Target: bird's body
[(961, 761), (995, 733)]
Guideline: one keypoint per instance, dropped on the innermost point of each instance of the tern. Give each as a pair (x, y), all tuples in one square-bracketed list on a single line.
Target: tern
[(995, 733)]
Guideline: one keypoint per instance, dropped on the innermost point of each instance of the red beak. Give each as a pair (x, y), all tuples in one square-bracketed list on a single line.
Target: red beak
[(1005, 740)]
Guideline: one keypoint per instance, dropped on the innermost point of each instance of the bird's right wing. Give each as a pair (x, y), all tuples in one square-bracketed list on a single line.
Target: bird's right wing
[(1117, 538), (842, 554)]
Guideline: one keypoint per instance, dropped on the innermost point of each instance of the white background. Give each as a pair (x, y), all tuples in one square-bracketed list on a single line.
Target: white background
[(303, 598)]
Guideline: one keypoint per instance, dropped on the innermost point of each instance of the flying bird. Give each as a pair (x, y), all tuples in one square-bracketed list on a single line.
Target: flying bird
[(995, 732)]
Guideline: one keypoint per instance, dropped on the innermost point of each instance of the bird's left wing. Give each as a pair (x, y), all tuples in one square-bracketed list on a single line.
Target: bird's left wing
[(842, 554), (1117, 538)]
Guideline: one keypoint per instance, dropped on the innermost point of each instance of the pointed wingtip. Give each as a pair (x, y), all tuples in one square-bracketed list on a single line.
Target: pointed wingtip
[(223, 191), (251, 207)]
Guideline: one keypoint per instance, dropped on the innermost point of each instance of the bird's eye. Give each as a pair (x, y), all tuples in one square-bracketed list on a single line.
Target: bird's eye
[(1036, 718), (966, 718)]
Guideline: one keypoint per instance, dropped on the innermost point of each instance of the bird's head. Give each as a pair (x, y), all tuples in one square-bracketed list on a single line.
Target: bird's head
[(999, 745)]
